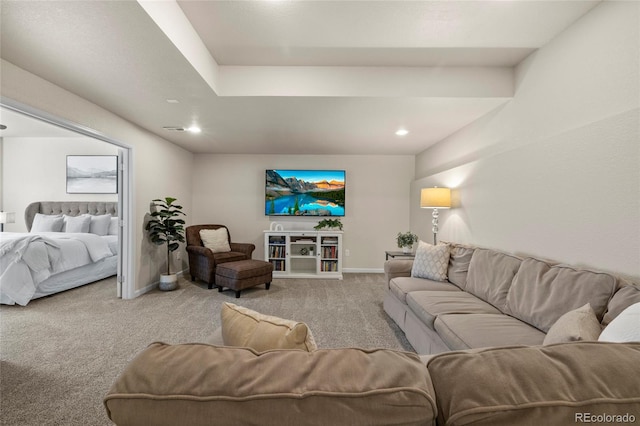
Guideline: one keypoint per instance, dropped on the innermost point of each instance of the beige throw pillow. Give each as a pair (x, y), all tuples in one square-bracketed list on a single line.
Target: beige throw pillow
[(579, 324), (250, 329), (431, 262), (216, 240)]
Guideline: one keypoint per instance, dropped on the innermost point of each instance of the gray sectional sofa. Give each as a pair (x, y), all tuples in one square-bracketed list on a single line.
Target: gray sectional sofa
[(495, 299), (495, 306)]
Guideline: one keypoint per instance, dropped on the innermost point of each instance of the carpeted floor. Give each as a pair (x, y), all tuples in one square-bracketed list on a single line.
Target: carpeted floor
[(59, 355)]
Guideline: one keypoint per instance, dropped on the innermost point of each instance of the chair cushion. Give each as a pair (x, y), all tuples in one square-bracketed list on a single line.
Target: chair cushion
[(400, 286), (427, 305), (229, 256), (216, 240), (490, 275), (467, 331), (198, 385), (244, 327), (576, 325), (544, 385), (541, 293)]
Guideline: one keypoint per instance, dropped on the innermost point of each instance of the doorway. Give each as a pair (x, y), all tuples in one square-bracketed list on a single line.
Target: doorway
[(125, 271)]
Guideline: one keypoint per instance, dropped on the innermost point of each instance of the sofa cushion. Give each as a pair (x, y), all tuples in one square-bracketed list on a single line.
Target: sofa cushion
[(431, 261), (247, 328), (466, 331), (490, 275), (400, 286), (576, 325), (427, 305), (546, 385), (626, 296), (541, 293), (197, 384), (459, 260), (625, 327)]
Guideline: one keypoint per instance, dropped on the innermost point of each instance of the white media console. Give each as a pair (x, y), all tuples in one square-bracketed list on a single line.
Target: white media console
[(304, 254)]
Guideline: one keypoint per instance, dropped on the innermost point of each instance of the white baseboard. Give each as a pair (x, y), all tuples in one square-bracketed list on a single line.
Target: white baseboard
[(363, 270), (153, 285)]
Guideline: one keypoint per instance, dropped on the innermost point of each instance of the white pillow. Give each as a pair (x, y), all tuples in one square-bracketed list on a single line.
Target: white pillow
[(216, 240), (76, 223), (100, 224), (47, 223), (431, 262), (579, 324), (113, 226), (625, 327)]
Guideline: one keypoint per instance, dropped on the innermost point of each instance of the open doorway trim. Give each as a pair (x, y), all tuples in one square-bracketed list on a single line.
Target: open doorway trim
[(126, 277)]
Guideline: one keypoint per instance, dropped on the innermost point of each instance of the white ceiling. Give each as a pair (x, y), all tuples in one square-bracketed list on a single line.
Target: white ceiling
[(23, 126), (288, 77)]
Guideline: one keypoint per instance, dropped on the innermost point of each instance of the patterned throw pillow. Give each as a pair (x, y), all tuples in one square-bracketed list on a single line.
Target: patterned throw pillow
[(431, 262)]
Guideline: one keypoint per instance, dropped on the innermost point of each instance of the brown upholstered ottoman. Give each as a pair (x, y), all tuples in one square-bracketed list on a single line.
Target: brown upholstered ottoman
[(243, 274)]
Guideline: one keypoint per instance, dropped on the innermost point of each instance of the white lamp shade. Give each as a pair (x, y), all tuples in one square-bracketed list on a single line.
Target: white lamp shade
[(435, 198), (7, 217)]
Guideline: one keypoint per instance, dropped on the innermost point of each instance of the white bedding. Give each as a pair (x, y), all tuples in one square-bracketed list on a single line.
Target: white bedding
[(28, 259)]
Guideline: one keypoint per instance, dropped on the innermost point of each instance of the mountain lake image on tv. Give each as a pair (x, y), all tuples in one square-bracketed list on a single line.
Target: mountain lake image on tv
[(304, 192)]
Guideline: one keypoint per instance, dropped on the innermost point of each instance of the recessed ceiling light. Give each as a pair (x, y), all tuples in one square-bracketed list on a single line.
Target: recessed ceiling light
[(173, 101), (192, 129), (402, 132)]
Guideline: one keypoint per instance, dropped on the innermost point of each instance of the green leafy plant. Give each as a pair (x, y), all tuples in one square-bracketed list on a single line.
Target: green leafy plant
[(165, 226), (328, 223), (406, 239)]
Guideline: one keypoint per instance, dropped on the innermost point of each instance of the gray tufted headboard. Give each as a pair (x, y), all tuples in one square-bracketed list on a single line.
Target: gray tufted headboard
[(70, 208)]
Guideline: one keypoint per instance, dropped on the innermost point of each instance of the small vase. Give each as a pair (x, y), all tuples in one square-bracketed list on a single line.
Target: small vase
[(406, 250)]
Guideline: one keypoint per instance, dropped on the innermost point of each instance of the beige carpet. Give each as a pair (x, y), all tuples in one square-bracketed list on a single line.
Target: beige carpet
[(59, 355)]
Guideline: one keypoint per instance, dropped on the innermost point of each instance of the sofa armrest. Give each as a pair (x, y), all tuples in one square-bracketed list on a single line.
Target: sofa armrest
[(245, 248), (397, 268)]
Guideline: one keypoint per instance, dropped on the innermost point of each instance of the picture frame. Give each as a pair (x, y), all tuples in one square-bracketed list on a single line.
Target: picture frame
[(92, 174)]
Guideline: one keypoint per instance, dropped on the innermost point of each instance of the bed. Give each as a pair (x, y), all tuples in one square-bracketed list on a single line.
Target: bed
[(69, 244)]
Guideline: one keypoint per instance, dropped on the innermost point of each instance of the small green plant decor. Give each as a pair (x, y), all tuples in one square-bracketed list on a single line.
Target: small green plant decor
[(328, 223), (406, 240), (166, 227)]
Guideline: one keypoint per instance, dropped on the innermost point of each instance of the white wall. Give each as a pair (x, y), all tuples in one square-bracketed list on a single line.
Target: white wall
[(34, 169), (556, 172), (229, 189), (160, 168)]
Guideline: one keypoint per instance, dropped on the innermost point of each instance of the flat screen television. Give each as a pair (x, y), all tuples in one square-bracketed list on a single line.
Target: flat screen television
[(304, 192)]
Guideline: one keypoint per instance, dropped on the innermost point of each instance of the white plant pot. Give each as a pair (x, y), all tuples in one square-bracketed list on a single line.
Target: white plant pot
[(406, 250), (168, 282)]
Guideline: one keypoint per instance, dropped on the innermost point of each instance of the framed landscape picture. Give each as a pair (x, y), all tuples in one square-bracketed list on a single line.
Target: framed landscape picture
[(92, 174)]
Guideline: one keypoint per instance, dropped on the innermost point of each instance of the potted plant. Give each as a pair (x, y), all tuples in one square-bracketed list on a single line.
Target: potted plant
[(406, 240), (328, 223), (165, 227)]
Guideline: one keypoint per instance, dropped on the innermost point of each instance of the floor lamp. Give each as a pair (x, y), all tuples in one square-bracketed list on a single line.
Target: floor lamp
[(435, 198), (6, 217)]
